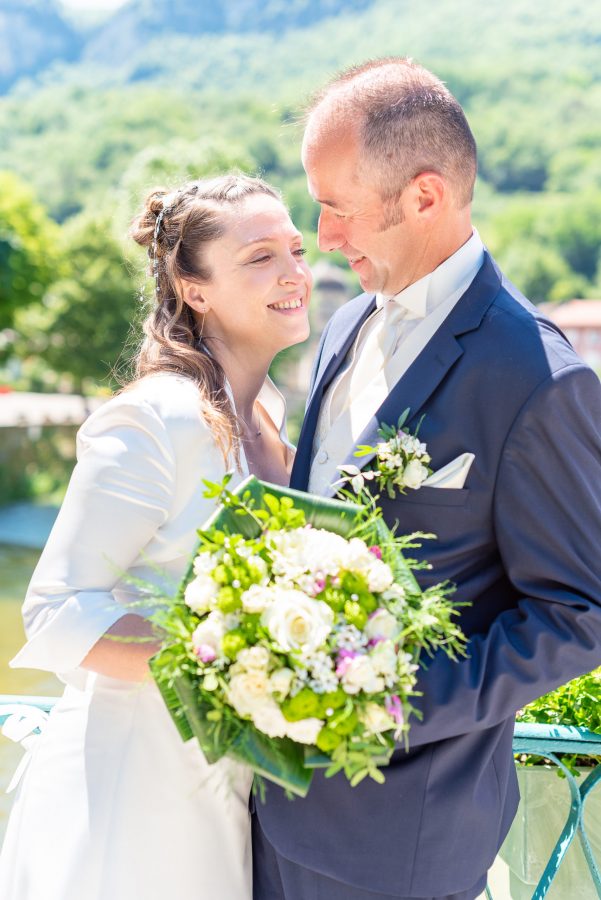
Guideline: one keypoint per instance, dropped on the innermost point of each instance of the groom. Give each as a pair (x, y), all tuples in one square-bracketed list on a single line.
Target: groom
[(512, 421)]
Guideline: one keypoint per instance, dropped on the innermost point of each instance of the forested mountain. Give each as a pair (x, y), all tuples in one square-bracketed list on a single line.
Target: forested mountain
[(35, 33), (169, 89)]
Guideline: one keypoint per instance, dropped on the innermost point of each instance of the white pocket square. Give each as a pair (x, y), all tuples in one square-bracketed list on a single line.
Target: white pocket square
[(452, 475)]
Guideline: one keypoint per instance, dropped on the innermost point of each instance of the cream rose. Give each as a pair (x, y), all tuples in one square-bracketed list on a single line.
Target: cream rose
[(296, 622), (210, 632), (280, 682), (381, 624), (376, 719), (248, 691), (414, 474), (384, 659), (252, 658), (269, 719), (255, 599), (304, 731), (200, 593), (361, 676), (379, 575)]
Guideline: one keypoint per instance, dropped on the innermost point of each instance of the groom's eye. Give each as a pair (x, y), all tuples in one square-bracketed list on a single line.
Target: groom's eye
[(260, 259)]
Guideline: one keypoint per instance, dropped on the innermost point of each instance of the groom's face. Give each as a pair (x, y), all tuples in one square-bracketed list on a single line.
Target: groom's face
[(377, 238)]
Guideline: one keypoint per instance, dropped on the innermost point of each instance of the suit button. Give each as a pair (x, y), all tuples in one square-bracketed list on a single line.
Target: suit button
[(322, 457)]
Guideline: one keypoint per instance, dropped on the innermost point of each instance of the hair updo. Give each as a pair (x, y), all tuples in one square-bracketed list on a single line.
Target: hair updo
[(175, 226)]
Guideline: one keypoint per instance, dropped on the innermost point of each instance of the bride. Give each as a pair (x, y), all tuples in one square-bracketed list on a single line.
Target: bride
[(113, 804)]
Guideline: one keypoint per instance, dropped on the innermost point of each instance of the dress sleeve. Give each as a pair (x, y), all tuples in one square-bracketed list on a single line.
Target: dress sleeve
[(120, 493)]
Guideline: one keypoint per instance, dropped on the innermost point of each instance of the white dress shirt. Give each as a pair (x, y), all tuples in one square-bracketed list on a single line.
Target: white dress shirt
[(347, 407)]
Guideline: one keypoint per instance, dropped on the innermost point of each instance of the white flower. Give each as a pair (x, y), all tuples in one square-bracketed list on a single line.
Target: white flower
[(257, 562), (304, 550), (210, 632), (384, 659), (379, 575), (296, 622), (361, 676), (253, 658), (269, 719), (381, 624), (248, 691), (280, 682), (255, 599), (200, 593), (415, 473), (376, 719), (304, 731), (204, 564)]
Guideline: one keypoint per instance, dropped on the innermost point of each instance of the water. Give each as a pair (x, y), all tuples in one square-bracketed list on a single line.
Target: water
[(16, 566)]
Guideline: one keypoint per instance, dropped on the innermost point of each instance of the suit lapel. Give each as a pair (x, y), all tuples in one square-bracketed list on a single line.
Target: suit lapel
[(332, 362), (431, 366)]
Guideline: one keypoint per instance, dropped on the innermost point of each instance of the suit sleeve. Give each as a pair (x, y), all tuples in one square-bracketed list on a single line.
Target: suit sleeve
[(119, 495), (547, 517)]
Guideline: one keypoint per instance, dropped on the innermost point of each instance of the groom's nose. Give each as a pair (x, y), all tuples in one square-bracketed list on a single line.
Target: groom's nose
[(329, 232)]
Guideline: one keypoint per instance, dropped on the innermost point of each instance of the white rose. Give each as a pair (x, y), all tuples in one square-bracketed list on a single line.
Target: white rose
[(210, 632), (281, 681), (304, 731), (253, 658), (204, 564), (361, 676), (379, 575), (248, 691), (296, 622), (200, 593), (414, 474), (376, 719), (269, 719), (384, 658), (255, 599), (381, 624)]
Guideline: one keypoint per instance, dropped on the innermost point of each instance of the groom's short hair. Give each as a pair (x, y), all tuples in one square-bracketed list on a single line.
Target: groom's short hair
[(408, 121)]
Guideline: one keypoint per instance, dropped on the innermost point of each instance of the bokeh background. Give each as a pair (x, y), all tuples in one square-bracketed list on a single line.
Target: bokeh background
[(100, 101)]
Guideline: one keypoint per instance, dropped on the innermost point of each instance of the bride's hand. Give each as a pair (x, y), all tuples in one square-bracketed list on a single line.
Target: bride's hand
[(124, 650)]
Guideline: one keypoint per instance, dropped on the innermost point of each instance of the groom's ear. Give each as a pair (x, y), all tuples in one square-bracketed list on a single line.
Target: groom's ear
[(427, 196), (194, 295)]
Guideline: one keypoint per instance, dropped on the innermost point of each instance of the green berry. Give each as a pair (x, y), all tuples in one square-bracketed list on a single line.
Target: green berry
[(232, 643)]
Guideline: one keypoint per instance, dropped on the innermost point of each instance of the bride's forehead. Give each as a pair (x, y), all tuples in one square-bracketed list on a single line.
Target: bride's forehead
[(251, 221)]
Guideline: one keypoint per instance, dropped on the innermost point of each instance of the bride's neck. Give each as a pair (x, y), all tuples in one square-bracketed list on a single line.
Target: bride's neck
[(245, 376)]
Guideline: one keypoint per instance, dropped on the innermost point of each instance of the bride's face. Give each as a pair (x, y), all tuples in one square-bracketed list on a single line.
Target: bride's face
[(258, 296)]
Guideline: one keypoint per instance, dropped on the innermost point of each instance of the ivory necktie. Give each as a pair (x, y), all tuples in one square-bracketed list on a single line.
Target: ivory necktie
[(371, 357)]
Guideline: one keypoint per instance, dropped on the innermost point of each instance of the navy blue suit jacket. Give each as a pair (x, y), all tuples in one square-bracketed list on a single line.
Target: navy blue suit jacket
[(521, 542)]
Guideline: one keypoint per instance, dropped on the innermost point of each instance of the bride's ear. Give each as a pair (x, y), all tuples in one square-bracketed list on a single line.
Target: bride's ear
[(193, 294)]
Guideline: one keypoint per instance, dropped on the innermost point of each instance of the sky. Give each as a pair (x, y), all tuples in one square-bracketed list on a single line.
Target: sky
[(94, 5)]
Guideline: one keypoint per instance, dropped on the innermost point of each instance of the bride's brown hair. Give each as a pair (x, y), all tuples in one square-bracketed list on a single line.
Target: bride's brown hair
[(175, 226)]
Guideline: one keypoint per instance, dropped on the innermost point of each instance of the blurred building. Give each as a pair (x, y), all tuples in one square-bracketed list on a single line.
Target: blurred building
[(580, 321)]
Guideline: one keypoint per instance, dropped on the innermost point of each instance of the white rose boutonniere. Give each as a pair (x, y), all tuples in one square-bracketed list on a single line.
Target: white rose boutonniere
[(400, 461)]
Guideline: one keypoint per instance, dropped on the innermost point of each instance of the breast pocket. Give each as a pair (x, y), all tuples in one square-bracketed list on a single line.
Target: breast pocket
[(432, 496)]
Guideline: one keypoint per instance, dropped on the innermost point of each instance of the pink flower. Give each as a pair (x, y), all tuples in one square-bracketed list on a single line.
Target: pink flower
[(395, 709), (320, 584), (205, 653), (375, 640), (377, 552), (344, 660)]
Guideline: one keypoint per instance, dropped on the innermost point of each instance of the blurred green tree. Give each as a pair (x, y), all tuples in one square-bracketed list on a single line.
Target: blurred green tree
[(29, 248)]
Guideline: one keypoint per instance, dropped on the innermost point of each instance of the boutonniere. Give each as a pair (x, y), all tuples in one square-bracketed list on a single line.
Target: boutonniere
[(400, 461)]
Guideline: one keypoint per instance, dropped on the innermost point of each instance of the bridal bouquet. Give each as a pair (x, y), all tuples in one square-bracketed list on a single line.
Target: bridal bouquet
[(294, 638)]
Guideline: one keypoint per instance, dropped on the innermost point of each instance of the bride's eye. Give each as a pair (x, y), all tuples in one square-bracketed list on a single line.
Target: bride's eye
[(260, 259), (300, 251)]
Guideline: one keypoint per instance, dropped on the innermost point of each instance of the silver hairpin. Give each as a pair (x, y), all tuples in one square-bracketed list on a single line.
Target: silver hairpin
[(155, 257)]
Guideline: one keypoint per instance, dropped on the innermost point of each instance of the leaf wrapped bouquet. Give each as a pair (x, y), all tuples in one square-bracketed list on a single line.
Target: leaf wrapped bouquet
[(294, 638)]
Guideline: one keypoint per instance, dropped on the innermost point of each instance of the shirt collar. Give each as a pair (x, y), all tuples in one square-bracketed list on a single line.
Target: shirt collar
[(455, 273)]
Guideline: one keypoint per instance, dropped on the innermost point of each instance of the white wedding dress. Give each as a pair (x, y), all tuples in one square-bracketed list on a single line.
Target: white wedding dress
[(113, 805)]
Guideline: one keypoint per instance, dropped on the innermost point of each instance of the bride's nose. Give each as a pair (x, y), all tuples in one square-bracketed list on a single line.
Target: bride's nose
[(293, 272)]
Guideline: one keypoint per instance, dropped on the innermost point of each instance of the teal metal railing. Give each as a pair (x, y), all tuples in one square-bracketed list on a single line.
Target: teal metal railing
[(548, 741)]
